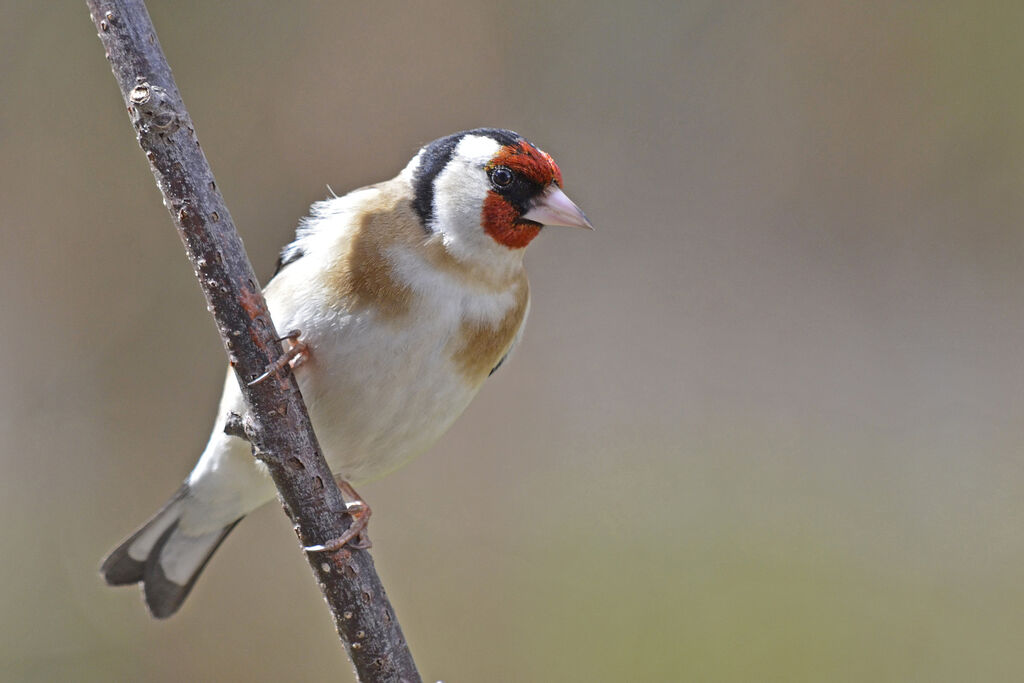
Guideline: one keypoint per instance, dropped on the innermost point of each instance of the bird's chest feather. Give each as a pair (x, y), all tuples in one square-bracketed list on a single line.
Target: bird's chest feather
[(384, 381)]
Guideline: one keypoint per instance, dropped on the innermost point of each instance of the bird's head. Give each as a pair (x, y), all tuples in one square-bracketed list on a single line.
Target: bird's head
[(488, 192)]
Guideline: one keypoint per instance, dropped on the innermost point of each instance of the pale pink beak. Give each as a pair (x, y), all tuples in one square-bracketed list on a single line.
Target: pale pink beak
[(553, 207)]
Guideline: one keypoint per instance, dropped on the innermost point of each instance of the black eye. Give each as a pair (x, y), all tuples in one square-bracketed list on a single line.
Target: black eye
[(502, 177)]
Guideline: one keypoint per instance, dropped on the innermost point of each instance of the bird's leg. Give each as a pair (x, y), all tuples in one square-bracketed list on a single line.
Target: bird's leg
[(360, 512), (294, 356)]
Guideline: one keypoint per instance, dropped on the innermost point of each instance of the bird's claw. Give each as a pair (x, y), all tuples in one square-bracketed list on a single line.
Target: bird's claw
[(294, 356), (355, 536)]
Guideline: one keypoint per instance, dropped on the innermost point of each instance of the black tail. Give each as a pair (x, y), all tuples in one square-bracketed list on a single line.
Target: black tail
[(164, 559)]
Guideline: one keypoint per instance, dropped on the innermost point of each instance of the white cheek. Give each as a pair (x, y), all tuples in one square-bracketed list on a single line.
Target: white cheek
[(459, 194), (461, 189)]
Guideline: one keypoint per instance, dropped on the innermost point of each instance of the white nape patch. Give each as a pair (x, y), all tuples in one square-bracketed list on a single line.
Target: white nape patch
[(334, 214), (459, 193), (410, 168)]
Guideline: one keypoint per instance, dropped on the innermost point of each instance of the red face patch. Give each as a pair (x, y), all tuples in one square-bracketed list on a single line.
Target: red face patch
[(500, 217), (499, 220)]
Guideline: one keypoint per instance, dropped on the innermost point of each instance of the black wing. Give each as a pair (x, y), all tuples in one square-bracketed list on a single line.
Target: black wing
[(495, 368), (290, 254)]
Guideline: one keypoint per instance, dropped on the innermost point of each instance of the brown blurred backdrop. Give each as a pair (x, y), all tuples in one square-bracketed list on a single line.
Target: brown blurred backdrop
[(765, 423)]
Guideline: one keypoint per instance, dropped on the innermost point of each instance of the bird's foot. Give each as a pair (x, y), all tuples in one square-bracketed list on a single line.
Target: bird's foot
[(294, 356), (360, 512)]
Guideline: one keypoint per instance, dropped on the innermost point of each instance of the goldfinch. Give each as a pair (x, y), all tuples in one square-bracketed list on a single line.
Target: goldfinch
[(406, 295)]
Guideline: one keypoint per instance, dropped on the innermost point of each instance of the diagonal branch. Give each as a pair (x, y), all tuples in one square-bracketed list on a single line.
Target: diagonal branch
[(276, 423)]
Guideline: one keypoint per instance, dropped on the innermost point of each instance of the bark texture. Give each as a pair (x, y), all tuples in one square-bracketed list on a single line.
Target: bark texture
[(276, 423)]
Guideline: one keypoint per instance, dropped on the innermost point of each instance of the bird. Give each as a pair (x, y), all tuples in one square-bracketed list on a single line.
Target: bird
[(404, 297)]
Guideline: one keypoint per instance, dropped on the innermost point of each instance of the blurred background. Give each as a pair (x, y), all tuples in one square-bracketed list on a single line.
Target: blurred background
[(765, 423)]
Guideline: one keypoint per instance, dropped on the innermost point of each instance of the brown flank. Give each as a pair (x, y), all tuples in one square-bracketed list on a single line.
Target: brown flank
[(480, 346), (364, 277)]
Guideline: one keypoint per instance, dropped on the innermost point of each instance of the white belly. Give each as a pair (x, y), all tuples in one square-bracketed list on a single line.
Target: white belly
[(379, 394)]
